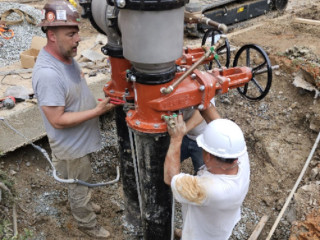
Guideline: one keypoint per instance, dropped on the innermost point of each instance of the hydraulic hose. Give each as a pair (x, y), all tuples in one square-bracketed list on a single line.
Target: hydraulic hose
[(197, 17), (54, 171)]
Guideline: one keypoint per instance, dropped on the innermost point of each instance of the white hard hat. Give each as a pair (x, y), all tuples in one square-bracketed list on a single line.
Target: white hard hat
[(222, 138)]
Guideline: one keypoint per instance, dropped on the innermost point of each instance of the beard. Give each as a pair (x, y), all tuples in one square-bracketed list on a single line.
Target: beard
[(69, 53)]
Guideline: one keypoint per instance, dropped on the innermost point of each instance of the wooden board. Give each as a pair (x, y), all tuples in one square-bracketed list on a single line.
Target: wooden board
[(306, 21)]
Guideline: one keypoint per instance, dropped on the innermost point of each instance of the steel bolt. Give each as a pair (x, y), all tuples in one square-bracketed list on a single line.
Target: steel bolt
[(201, 107), (129, 114), (202, 88), (121, 3), (138, 122), (193, 76), (104, 50), (156, 125), (111, 91), (132, 78)]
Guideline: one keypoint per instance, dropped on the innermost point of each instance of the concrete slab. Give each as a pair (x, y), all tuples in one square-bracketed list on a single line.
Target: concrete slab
[(25, 117)]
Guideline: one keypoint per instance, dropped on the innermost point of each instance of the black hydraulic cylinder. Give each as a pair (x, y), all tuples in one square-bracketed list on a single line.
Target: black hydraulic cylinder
[(156, 196)]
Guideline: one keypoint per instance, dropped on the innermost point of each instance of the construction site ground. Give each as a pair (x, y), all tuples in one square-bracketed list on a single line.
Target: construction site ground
[(280, 132)]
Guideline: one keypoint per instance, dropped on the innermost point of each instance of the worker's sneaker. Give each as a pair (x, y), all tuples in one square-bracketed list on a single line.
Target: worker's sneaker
[(96, 208), (97, 232)]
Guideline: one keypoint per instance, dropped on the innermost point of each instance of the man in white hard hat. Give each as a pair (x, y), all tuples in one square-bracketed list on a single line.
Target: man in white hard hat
[(211, 201), (195, 125)]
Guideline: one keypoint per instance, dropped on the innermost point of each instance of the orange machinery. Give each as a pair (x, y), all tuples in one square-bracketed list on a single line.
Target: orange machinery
[(196, 89)]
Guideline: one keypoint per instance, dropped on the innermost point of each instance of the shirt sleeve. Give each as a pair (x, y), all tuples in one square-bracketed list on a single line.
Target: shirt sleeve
[(49, 88), (188, 189), (213, 102)]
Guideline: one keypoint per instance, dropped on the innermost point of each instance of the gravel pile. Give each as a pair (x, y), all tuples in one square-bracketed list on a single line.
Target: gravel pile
[(45, 203), (240, 230), (23, 33)]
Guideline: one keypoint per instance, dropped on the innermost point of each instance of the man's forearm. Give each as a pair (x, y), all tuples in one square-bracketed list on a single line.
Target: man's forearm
[(194, 121), (210, 114), (172, 161), (71, 119), (59, 119)]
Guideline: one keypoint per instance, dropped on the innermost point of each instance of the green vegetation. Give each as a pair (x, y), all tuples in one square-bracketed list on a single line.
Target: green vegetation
[(282, 54), (6, 203), (297, 62), (6, 232)]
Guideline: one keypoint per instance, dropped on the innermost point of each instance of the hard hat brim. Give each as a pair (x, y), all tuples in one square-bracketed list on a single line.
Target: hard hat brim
[(58, 24)]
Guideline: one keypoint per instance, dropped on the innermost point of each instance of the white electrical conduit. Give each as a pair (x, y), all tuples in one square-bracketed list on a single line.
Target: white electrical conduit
[(293, 189), (136, 173), (54, 172)]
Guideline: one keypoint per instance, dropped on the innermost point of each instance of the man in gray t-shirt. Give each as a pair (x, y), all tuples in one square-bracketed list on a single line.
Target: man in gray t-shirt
[(69, 110)]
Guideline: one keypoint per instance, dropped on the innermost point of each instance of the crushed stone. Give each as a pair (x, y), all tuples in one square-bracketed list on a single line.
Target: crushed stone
[(10, 49)]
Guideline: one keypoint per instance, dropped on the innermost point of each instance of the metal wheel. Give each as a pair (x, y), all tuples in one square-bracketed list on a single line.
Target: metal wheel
[(279, 4), (256, 58), (223, 51)]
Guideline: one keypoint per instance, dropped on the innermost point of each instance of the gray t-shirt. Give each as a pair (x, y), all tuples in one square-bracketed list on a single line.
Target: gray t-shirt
[(58, 84)]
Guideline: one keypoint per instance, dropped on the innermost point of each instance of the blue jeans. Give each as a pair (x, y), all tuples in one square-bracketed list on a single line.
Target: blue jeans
[(189, 148)]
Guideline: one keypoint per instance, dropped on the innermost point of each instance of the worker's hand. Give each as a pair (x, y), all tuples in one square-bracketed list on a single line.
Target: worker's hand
[(176, 126), (104, 106)]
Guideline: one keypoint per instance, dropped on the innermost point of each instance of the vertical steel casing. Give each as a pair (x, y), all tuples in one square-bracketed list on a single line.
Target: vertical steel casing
[(152, 40)]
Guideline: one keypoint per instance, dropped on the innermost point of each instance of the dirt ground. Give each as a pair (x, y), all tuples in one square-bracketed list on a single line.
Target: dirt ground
[(280, 132)]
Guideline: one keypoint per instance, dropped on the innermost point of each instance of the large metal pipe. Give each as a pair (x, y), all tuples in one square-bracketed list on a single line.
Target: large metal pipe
[(105, 17), (99, 14), (131, 199), (152, 39), (156, 196)]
